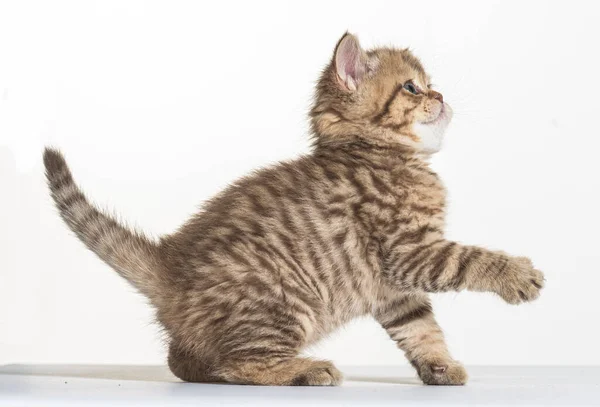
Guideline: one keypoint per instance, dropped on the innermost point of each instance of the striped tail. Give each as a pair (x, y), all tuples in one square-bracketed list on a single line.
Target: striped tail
[(133, 256)]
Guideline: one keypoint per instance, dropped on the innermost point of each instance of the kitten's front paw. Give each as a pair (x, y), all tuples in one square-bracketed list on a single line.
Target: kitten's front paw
[(442, 373), (519, 281)]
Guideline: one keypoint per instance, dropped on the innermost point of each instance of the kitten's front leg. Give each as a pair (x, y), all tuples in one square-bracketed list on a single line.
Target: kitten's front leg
[(442, 265), (410, 322)]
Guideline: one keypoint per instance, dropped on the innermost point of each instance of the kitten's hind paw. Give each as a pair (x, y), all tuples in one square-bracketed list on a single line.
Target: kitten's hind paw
[(321, 374)]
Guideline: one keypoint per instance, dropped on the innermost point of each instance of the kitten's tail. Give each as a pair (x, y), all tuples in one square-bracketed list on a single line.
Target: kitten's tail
[(132, 255)]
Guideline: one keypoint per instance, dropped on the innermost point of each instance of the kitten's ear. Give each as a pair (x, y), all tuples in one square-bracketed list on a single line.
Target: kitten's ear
[(350, 62)]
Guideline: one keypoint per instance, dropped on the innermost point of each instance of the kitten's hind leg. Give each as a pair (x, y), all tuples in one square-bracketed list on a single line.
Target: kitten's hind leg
[(189, 368), (263, 350), (283, 372), (265, 370), (410, 322), (258, 348)]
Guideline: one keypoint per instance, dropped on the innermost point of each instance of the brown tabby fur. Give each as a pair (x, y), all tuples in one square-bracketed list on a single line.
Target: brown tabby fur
[(288, 254)]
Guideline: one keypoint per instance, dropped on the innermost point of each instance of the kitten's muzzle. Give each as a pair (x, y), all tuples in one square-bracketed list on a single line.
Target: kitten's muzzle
[(436, 95)]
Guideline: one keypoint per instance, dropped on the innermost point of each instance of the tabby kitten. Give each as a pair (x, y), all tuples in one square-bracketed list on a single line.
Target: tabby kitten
[(286, 255)]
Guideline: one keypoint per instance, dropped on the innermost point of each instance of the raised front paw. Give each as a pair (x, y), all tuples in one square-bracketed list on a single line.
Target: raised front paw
[(518, 281)]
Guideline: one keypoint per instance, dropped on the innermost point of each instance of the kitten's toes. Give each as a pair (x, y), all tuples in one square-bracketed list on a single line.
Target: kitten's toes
[(322, 374), (521, 282), (444, 373)]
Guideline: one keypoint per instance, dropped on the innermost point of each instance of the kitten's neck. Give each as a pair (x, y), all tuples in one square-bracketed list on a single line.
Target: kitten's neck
[(375, 153)]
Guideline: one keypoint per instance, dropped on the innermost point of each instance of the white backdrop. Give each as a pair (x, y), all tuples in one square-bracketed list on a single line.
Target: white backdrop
[(158, 105)]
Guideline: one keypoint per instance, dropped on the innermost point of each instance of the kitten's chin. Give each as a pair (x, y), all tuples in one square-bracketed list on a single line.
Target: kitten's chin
[(431, 134)]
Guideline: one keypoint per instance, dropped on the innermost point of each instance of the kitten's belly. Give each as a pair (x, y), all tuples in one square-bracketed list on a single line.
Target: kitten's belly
[(321, 295)]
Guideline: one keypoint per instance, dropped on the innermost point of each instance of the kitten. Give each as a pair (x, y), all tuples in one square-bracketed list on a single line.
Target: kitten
[(286, 255)]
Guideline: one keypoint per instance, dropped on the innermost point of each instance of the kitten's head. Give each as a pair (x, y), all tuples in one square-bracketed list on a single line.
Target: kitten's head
[(382, 96)]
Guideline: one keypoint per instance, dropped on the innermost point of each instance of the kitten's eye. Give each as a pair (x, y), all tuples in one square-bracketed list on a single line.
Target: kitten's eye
[(411, 88)]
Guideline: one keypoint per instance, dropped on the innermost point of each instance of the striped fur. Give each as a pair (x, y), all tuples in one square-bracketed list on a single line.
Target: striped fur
[(286, 255)]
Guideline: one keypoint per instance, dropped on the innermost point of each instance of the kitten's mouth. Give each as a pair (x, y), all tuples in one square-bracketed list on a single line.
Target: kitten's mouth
[(444, 115)]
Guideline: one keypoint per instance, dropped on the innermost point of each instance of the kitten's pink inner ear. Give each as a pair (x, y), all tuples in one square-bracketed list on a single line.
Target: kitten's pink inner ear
[(350, 62)]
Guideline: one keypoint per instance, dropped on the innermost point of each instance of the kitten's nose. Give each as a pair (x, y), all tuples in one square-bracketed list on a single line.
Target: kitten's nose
[(436, 95)]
